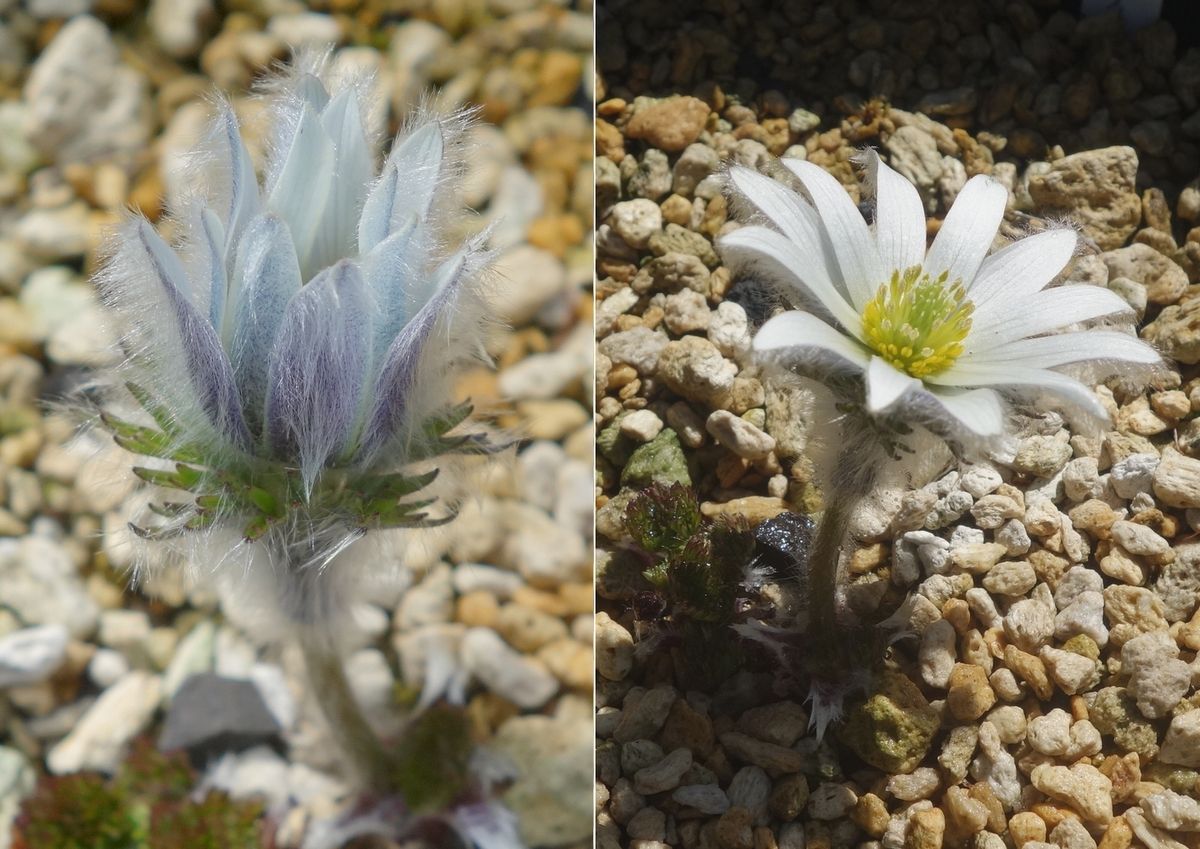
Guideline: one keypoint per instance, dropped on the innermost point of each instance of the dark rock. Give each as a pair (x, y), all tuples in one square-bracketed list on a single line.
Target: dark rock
[(211, 714)]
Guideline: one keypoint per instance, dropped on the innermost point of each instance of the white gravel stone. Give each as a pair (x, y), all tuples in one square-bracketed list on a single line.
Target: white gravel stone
[(107, 667), (979, 481), (636, 221), (614, 648), (1072, 672), (639, 347), (1050, 734), (608, 310), (1182, 743), (1172, 811), (996, 766), (921, 783), (937, 654), (831, 801), (1013, 578), (1133, 474), (641, 425), (1177, 480), (1010, 723), (1081, 479), (1013, 536), (506, 672), (739, 436), (706, 798), (1029, 624), (1084, 615), (1158, 680), (1141, 541), (686, 311), (31, 655), (98, 741), (1077, 580), (84, 102), (729, 329)]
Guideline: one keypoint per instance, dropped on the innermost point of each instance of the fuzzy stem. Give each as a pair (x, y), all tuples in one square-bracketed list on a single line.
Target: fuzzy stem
[(367, 754), (852, 479)]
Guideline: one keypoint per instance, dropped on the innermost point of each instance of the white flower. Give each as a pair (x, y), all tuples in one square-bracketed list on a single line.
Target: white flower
[(938, 336), (295, 350)]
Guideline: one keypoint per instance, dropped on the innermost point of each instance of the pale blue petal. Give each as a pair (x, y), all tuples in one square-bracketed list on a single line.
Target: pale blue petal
[(406, 188), (208, 368), (312, 91), (212, 236), (353, 170), (318, 369), (389, 271), (398, 374), (301, 184), (236, 187), (268, 277), (376, 216)]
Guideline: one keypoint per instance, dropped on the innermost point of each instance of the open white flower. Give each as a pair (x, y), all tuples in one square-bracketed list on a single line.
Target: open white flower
[(939, 335)]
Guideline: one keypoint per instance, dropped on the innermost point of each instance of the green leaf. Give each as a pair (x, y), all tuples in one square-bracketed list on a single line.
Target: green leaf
[(265, 501), (257, 528)]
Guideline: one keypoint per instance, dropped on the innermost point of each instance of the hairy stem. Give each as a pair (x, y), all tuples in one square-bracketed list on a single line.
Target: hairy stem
[(852, 479), (368, 756)]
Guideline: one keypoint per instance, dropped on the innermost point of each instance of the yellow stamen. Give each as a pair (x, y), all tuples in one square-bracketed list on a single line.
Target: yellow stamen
[(918, 323)]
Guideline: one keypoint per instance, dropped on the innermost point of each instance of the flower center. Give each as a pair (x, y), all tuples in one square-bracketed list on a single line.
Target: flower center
[(918, 323)]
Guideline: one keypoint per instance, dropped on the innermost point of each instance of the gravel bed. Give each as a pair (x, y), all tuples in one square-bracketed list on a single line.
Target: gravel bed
[(98, 101), (1045, 695)]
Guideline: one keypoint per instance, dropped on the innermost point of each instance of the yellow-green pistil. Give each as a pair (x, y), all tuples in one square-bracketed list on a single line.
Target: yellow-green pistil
[(918, 323)]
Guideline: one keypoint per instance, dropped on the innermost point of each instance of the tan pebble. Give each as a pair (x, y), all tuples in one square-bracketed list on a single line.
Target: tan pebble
[(984, 793), (570, 662), (964, 815), (1030, 669), (734, 829), (867, 558), (478, 609), (539, 600), (969, 695), (578, 598), (677, 210), (1118, 835), (926, 830), (870, 814), (958, 613), (1026, 827), (1052, 815), (1081, 786), (764, 838)]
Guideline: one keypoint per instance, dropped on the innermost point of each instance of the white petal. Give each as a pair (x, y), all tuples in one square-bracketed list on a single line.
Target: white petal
[(899, 216), (1016, 271), (978, 410), (886, 384), (803, 334), (390, 270), (1042, 313), (312, 91), (301, 183), (848, 232), (790, 213), (1058, 350), (1029, 381), (786, 265), (967, 233)]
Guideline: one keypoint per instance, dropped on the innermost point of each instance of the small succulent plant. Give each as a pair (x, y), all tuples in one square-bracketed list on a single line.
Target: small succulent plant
[(147, 805), (698, 569)]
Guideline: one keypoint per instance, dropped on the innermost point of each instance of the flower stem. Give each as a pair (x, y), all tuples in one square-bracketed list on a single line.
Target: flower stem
[(368, 756), (852, 479)]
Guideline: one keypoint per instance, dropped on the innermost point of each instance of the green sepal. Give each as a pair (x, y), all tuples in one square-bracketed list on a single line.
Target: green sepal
[(156, 410), (257, 528), (169, 509), (397, 486), (184, 477), (147, 441), (264, 501)]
